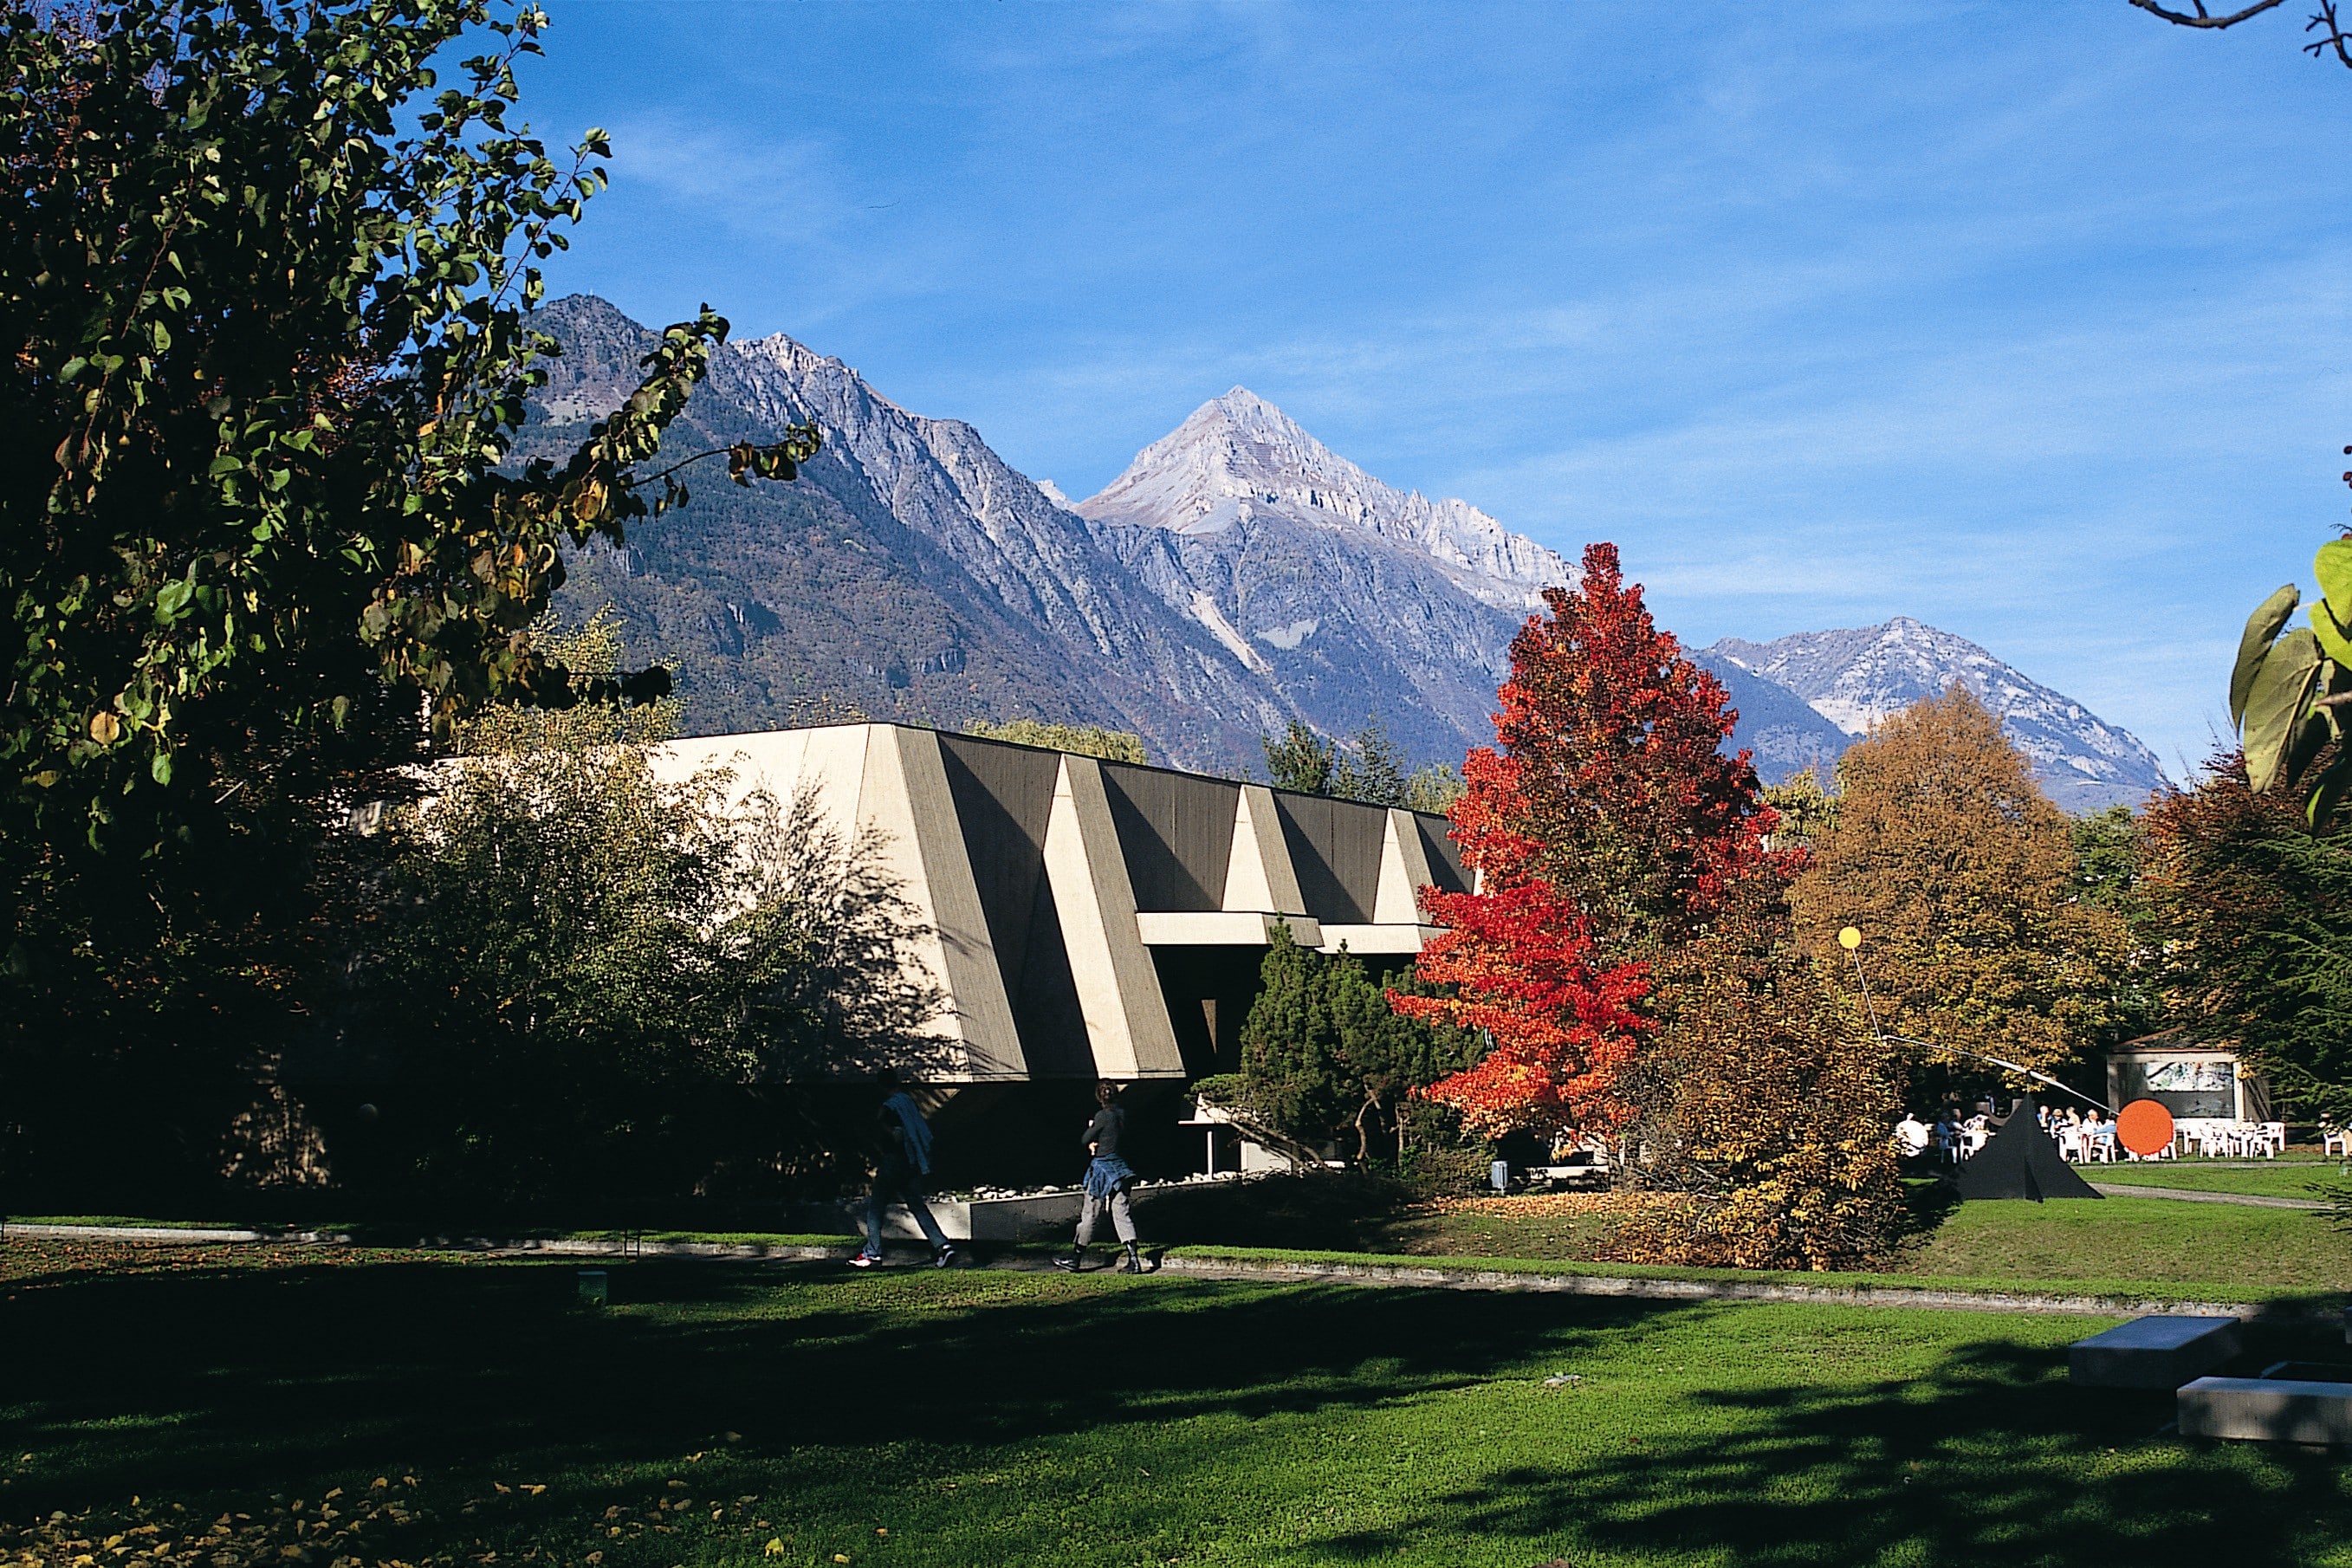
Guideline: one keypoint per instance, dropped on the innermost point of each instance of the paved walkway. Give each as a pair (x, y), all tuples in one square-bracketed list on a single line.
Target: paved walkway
[(1453, 1274), (2251, 1200)]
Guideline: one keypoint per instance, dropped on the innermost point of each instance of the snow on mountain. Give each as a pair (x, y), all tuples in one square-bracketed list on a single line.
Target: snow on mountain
[(1856, 678), (1238, 458), (1782, 733), (1238, 574)]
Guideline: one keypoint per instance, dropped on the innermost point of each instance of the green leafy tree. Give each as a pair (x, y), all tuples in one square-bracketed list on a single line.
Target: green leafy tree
[(1301, 760), (1084, 739), (1433, 788), (267, 284), (581, 963), (1805, 808), (2253, 915), (270, 350)]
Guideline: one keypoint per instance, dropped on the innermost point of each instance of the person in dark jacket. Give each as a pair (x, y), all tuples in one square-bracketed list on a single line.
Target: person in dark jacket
[(1108, 1179), (902, 1162)]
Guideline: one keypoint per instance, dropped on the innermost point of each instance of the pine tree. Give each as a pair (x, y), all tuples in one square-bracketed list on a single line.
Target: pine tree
[(1960, 875), (1370, 768), (1301, 761)]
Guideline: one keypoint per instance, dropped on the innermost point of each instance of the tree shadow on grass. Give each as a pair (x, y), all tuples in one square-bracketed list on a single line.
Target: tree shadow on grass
[(1993, 1458), (287, 1379), (250, 1380)]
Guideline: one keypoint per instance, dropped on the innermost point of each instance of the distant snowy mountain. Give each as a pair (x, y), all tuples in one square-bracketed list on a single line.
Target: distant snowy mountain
[(1240, 459), (1238, 574), (1351, 597), (1783, 733), (1856, 678)]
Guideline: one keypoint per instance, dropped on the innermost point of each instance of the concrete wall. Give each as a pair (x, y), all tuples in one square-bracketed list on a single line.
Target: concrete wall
[(1088, 919)]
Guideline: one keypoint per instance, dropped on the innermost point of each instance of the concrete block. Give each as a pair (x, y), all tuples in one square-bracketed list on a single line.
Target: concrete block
[(2152, 1352), (2267, 1410)]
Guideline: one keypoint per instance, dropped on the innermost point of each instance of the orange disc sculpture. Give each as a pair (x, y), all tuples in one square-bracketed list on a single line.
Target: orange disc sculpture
[(2145, 1127)]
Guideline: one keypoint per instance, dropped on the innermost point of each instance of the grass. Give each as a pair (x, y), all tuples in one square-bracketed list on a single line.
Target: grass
[(788, 1413), (2280, 1179), (2200, 1251), (2229, 1246)]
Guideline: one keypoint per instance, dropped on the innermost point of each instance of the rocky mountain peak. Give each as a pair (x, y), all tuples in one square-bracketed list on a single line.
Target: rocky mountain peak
[(1238, 458), (1858, 677)]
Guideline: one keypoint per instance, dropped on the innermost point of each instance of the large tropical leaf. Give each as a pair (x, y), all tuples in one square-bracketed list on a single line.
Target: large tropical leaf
[(2261, 629), (2282, 687)]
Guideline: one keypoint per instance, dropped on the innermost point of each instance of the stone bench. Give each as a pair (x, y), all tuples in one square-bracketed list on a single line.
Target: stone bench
[(2152, 1352), (2267, 1410)]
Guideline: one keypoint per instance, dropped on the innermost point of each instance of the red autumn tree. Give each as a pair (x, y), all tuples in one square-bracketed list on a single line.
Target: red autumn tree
[(1606, 827)]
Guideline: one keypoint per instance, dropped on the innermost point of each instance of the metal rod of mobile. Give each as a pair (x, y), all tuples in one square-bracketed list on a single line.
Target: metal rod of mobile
[(1850, 938)]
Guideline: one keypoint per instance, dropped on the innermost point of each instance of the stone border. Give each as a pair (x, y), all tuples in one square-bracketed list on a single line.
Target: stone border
[(2184, 1195), (171, 1232), (1432, 1277)]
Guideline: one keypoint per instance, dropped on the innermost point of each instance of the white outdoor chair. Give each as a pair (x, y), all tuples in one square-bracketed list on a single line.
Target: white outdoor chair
[(2335, 1140), (2273, 1134)]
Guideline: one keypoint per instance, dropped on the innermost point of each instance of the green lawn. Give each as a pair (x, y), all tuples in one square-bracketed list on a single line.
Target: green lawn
[(991, 1418), (2225, 1244), (2278, 1179), (2238, 1252)]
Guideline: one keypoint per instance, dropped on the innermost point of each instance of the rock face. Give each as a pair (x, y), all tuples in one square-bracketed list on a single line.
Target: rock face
[(1855, 678), (1239, 460), (1239, 573), (1782, 733), (1351, 597), (913, 574)]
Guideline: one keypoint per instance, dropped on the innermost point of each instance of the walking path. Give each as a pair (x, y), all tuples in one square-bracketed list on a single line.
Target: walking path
[(1453, 1274), (2252, 1200)]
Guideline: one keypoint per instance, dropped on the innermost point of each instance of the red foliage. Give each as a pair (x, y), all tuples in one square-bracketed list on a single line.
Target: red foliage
[(1608, 825), (1519, 962)]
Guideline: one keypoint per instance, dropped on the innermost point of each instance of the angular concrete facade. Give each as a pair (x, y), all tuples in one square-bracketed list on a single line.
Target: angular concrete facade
[(1089, 919)]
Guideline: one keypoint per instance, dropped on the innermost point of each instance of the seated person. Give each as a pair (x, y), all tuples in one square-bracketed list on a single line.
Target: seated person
[(1911, 1137)]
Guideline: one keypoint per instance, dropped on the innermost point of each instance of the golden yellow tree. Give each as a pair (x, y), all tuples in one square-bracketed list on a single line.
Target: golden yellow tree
[(1960, 873), (1768, 1108)]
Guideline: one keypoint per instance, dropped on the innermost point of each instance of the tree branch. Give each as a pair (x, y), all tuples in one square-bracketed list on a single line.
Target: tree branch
[(2204, 18), (2334, 39)]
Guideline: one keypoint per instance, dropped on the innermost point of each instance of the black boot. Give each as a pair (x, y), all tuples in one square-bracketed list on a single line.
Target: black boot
[(1130, 1261), (1074, 1263)]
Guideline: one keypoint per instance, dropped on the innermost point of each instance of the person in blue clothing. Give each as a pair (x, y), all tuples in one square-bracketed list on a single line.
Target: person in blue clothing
[(1108, 1179), (902, 1160)]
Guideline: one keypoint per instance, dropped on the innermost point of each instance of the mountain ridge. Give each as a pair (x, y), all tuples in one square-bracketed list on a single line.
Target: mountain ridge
[(1858, 677), (1236, 575)]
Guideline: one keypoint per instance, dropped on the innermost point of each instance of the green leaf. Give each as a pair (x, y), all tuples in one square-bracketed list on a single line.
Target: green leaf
[(2327, 791), (2276, 704), (2333, 567), (2262, 627), (161, 768), (2333, 642)]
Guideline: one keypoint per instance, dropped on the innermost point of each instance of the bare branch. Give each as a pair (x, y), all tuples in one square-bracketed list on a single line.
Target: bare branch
[(2204, 18), (2334, 39)]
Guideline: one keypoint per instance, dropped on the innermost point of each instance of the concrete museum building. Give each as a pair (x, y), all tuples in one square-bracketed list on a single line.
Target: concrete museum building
[(1088, 918)]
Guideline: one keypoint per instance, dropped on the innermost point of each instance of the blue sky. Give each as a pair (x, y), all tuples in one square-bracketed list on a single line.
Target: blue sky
[(2028, 320)]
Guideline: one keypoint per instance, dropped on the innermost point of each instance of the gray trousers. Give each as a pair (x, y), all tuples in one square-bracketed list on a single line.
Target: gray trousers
[(1122, 1217)]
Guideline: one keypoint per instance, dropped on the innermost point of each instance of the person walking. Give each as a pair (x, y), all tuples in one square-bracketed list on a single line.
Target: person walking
[(1108, 1179), (902, 1162)]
